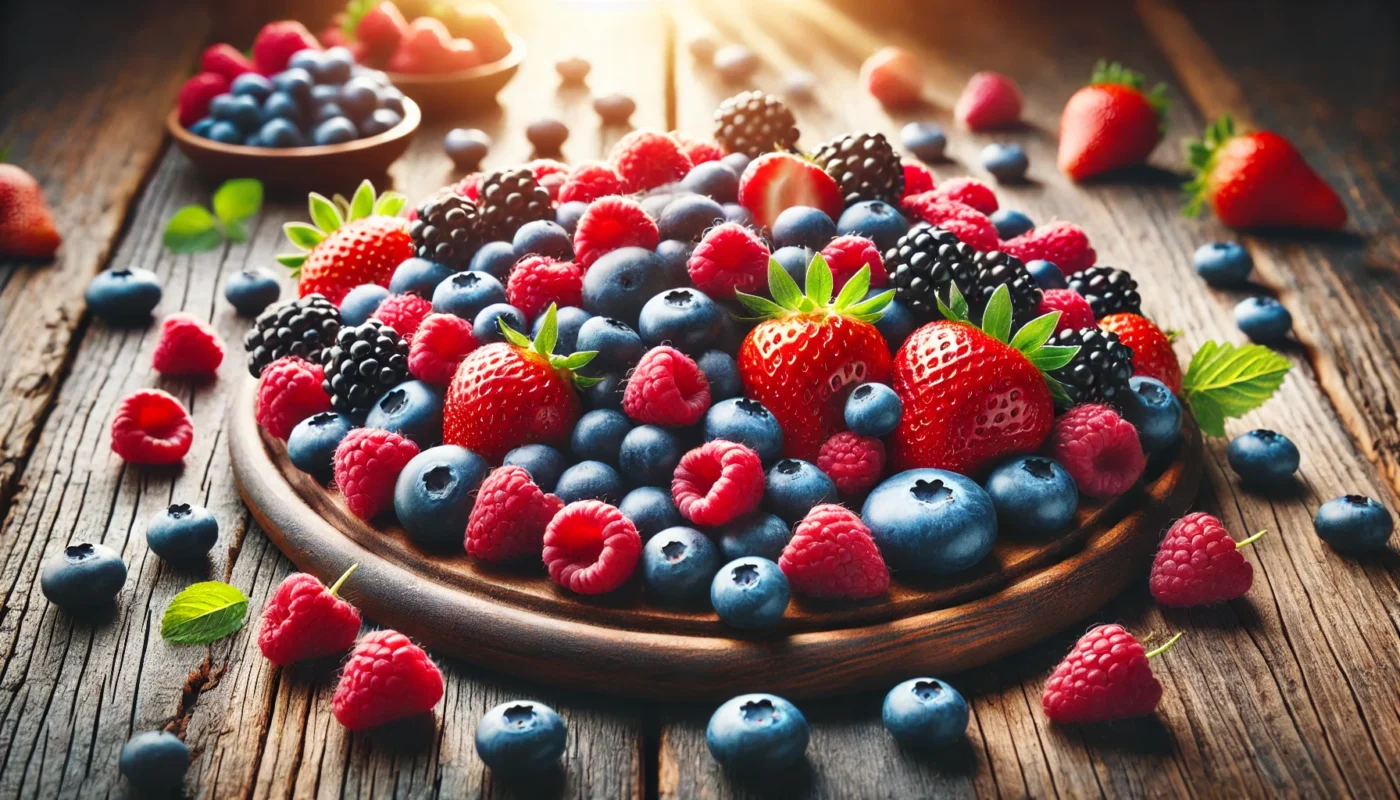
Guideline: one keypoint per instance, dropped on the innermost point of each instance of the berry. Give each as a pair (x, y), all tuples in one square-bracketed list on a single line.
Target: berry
[(543, 238), (794, 261), (277, 42), (1010, 223), (364, 363), (1198, 563), (465, 294), (864, 165), (845, 255), (465, 146), (774, 182), (590, 480), (1047, 274), (251, 290), (678, 565), (542, 462), (1354, 524), (647, 159), (750, 593), (495, 259), (688, 217), (536, 282), (251, 84), (351, 252), (312, 443), (925, 714), (989, 100), (1099, 449), (567, 216), (591, 548), (1153, 356), (699, 152), (412, 409), (650, 508), (931, 521), (521, 737), (648, 455), (793, 487), (187, 346), (964, 221), (300, 328), (924, 262), (619, 283), (1108, 290), (831, 554), (757, 734), (387, 677), (917, 180), (155, 761), (598, 436), (304, 619), (893, 77), (1262, 457), (925, 140), (1263, 319), (754, 123), (895, 324), (735, 63), (876, 221), (547, 135), (435, 493), (367, 464), (1075, 311), (722, 371), (486, 326), (1006, 163), (124, 295), (1223, 264), (1033, 496), (182, 533), (403, 312), (969, 192), (447, 230), (1154, 411), (730, 258), (619, 348), (684, 318), (1099, 372), (747, 422), (360, 303), (334, 129), (1063, 243), (509, 517), (83, 576), (615, 108), (152, 427), (666, 388), (1105, 677), (196, 94), (873, 409), (714, 180), (439, 347), (1111, 123), (997, 269), (510, 198), (717, 482), (803, 226), (853, 462)]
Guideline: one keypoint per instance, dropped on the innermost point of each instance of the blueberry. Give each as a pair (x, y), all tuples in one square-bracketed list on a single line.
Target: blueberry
[(1263, 319), (925, 714), (675, 257), (876, 220), (225, 133), (619, 283), (155, 761), (1156, 413), (544, 463), (281, 133), (1354, 524), (736, 63), (733, 212), (1033, 496), (252, 85), (793, 486), (494, 259), (572, 70), (412, 409), (380, 120), (309, 60), (334, 129), (1047, 274), (648, 454), (83, 576), (311, 446), (757, 734), (392, 99), (324, 93), (547, 136), (418, 276), (723, 374), (750, 593), (757, 534), (435, 492), (748, 422), (336, 65), (737, 163), (925, 140), (619, 347), (655, 203), (1007, 163), (799, 84), (544, 238), (251, 290), (1223, 264), (280, 105), (794, 260), (201, 127), (598, 436), (294, 82), (241, 110), (359, 96), (897, 322), (590, 480), (361, 302), (713, 180), (182, 533), (614, 109), (521, 737), (686, 319), (466, 147), (487, 324), (255, 140), (221, 106), (569, 320), (467, 293), (331, 110), (1263, 457), (803, 226), (931, 521), (607, 392), (1011, 223), (873, 409), (567, 215), (123, 295), (678, 565), (688, 217), (651, 509)]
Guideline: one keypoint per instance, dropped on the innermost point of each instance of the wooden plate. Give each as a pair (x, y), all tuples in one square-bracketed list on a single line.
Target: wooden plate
[(455, 94), (517, 621)]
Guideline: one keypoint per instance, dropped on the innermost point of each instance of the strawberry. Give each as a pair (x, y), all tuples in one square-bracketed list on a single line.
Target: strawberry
[(428, 47), (969, 396), (482, 23), (26, 224), (344, 253), (1104, 678), (810, 351), (1256, 180), (276, 43), (1198, 563), (195, 94), (1153, 355), (777, 181), (515, 392), (225, 60), (1111, 123), (381, 28)]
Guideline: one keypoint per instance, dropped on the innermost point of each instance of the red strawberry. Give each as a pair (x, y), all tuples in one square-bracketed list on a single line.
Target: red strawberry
[(195, 94), (1152, 350), (342, 254), (276, 43), (1104, 678), (810, 351), (428, 47), (225, 60), (989, 100), (26, 224), (305, 619), (1110, 123), (1255, 180), (1198, 563), (775, 182), (381, 28)]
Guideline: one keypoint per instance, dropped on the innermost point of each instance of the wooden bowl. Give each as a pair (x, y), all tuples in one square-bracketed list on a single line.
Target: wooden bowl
[(453, 94), (325, 168)]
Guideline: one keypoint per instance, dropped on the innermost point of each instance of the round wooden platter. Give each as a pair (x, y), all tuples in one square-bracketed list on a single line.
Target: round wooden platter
[(518, 622)]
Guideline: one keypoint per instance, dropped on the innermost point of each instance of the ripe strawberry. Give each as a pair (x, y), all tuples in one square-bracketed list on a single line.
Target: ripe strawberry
[(195, 94), (1198, 563), (810, 351), (989, 100), (1255, 180), (305, 619), (1152, 350), (775, 182), (1110, 123), (381, 28), (514, 392), (26, 224), (225, 60), (342, 254), (276, 43), (1104, 678)]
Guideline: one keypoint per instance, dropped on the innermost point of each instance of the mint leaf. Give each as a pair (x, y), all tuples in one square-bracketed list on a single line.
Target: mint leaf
[(203, 613), (237, 200), (1225, 381), (191, 230)]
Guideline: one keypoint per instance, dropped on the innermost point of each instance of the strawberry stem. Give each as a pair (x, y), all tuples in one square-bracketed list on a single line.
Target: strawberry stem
[(335, 587), (1250, 540), (1165, 646)]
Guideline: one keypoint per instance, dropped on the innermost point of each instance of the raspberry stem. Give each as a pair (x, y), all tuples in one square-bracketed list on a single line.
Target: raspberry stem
[(335, 587), (1165, 646), (1250, 540)]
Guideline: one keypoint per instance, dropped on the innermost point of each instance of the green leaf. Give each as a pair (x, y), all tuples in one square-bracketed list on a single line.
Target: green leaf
[(203, 613), (874, 308), (1225, 381), (341, 204), (324, 213), (854, 289), (302, 235), (234, 231), (293, 260), (996, 320), (586, 381), (761, 306), (4, 154), (956, 308), (549, 332), (237, 200), (783, 287), (514, 336), (390, 204), (576, 361), (1036, 332), (362, 204), (1057, 392), (820, 283), (191, 230), (1052, 357)]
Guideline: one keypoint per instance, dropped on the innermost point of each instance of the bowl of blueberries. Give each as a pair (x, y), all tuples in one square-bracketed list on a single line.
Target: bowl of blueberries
[(323, 123)]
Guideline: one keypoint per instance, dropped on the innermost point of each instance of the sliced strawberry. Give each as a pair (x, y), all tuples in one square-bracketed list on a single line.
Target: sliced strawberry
[(779, 181)]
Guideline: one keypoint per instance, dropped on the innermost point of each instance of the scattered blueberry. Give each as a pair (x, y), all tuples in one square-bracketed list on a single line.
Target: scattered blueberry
[(678, 565), (722, 371), (794, 261), (925, 714), (619, 283), (572, 70), (521, 737), (757, 734), (1047, 274), (651, 509), (1223, 264), (1156, 413), (614, 109), (714, 180), (544, 463), (737, 163), (418, 276), (466, 147), (598, 436), (931, 521), (1007, 163), (876, 220), (686, 319), (466, 294), (619, 347), (412, 409), (1263, 457), (312, 443), (688, 217), (487, 324), (251, 290), (803, 226), (435, 492), (543, 238), (361, 302), (750, 593), (494, 259), (182, 533), (748, 422), (83, 576), (756, 534), (1011, 223), (1263, 319), (569, 320), (123, 295), (925, 140), (1354, 524), (1033, 496), (547, 135), (792, 487), (590, 480), (735, 63), (155, 761), (253, 85), (799, 84), (873, 409), (675, 256), (647, 454)]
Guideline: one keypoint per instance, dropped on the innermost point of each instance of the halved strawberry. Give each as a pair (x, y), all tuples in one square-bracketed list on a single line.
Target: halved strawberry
[(778, 181)]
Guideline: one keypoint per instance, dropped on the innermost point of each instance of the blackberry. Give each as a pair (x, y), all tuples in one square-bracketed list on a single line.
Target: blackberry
[(446, 230), (1100, 370), (510, 198), (365, 362), (300, 328), (865, 166), (1002, 269), (1108, 290), (754, 123), (924, 262)]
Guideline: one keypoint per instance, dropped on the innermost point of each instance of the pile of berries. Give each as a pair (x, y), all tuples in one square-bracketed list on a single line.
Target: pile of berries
[(448, 37)]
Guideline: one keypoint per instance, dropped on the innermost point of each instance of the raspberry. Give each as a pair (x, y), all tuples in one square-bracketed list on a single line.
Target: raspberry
[(289, 391), (697, 151), (195, 94), (439, 346), (550, 175), (847, 254), (187, 347), (591, 548), (717, 482), (853, 462), (151, 427), (1075, 312), (609, 223), (509, 517), (729, 257), (1105, 677), (404, 313), (537, 281), (971, 226), (590, 181), (1099, 449), (1199, 563), (647, 159), (831, 554), (303, 619), (470, 186), (667, 388), (969, 192), (387, 677), (367, 463), (1063, 243), (893, 77), (989, 100), (917, 179)]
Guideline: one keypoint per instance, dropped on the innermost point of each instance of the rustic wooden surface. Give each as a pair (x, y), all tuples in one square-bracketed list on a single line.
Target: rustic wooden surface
[(1292, 690)]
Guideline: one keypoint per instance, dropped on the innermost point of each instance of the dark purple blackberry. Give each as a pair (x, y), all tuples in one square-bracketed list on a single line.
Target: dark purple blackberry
[(1100, 370), (299, 328), (865, 166), (754, 123), (1001, 269), (510, 198), (923, 263), (446, 230), (365, 362), (1108, 290)]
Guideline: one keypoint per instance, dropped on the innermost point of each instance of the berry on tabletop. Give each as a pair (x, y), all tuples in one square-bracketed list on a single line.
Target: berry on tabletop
[(1354, 524), (1263, 319), (1263, 457), (1199, 563), (466, 147), (152, 427), (123, 295), (893, 77), (251, 290), (925, 714), (182, 533), (155, 761), (521, 737), (187, 346), (990, 100), (1111, 123), (924, 140), (305, 619), (82, 577), (756, 734), (387, 677), (1105, 677), (1223, 264)]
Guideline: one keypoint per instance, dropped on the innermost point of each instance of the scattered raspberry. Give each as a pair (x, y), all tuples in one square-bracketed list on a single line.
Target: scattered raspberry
[(717, 482), (990, 100), (647, 159), (537, 281), (439, 346), (969, 192), (831, 554), (187, 346), (697, 151), (509, 517), (893, 77), (962, 220), (591, 548), (550, 175), (667, 388), (1153, 355), (195, 94), (610, 223), (289, 391), (1099, 449), (1105, 677), (404, 313), (1063, 243), (847, 254), (469, 187), (1075, 311), (590, 181), (367, 463), (304, 619), (1199, 563), (226, 60), (917, 179), (151, 427), (387, 677), (730, 257), (853, 462)]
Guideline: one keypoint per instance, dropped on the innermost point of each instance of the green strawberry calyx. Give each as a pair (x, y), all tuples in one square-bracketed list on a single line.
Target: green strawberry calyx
[(329, 215), (788, 299), (1111, 72), (1200, 158), (1030, 340), (543, 346)]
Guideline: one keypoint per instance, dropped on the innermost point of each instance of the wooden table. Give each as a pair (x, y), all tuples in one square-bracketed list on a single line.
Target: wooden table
[(1293, 690)]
